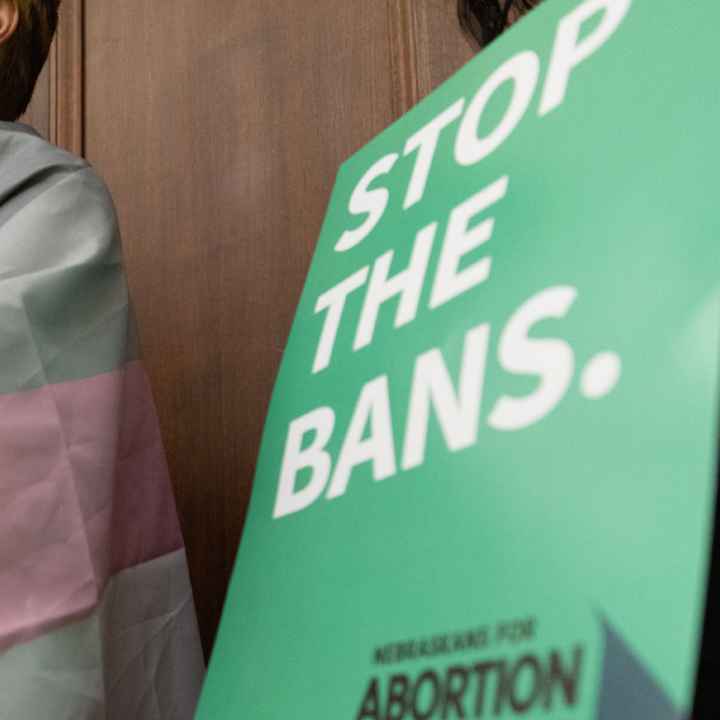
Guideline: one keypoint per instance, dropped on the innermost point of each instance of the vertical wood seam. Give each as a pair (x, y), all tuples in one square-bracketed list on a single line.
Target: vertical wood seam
[(403, 55), (67, 79)]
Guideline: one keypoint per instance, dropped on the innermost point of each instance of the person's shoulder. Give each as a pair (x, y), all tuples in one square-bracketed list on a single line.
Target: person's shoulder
[(33, 172), (26, 157), (52, 203)]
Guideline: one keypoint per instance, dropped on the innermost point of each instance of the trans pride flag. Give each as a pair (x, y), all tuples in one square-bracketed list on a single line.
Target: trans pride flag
[(96, 612)]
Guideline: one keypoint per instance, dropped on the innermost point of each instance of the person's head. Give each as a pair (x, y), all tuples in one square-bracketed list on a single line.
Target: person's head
[(484, 20), (27, 28)]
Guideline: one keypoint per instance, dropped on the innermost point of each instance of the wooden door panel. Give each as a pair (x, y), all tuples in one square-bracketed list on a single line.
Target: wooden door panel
[(442, 49), (38, 113), (219, 128), (56, 110)]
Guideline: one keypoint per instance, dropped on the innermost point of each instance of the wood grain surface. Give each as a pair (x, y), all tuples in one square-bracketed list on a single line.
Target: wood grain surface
[(38, 114), (57, 109), (442, 48), (219, 128)]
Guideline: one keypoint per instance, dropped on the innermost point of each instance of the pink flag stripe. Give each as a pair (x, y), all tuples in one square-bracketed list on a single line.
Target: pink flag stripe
[(84, 493)]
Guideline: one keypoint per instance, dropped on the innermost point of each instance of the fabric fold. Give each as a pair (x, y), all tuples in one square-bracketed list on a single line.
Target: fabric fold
[(96, 613)]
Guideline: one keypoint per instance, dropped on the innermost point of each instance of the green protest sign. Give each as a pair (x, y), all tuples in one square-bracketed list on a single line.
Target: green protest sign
[(486, 483)]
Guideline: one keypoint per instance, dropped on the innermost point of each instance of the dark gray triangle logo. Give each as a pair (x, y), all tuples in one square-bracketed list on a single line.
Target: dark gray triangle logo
[(628, 691)]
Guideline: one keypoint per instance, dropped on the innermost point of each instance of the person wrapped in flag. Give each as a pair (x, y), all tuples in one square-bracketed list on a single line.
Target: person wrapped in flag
[(96, 612)]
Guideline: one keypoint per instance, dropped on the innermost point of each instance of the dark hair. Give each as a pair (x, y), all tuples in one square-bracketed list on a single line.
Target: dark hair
[(23, 55), (484, 20)]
